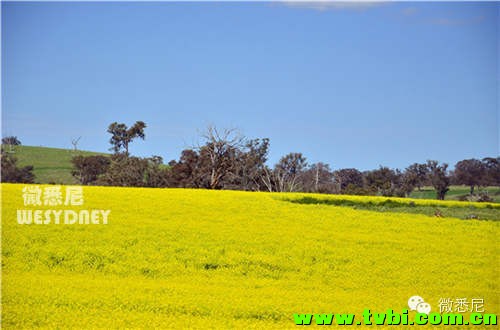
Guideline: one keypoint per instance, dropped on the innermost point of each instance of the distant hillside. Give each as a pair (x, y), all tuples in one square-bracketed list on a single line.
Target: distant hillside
[(51, 165), (456, 193)]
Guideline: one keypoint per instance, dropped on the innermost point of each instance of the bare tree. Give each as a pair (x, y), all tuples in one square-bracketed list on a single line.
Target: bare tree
[(74, 142), (267, 178), (318, 178), (219, 153), (288, 170)]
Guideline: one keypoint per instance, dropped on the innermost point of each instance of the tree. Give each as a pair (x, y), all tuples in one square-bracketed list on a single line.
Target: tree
[(157, 174), (470, 172), (492, 171), (348, 178), (268, 179), (383, 181), (318, 178), (439, 178), (288, 170), (89, 169), (417, 175), (12, 173), (121, 135), (125, 171), (74, 142), (11, 141), (250, 165), (218, 155), (407, 183), (185, 173), (225, 160)]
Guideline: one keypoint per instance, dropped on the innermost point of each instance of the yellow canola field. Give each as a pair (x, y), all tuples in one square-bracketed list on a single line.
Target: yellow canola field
[(182, 258)]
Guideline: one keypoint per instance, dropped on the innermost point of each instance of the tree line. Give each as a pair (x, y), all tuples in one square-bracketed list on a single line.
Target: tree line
[(228, 160)]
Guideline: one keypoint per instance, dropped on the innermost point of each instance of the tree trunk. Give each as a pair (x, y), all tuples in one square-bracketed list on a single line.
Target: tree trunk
[(316, 183)]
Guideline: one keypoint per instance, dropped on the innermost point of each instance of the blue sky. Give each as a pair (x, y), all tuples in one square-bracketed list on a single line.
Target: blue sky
[(353, 86)]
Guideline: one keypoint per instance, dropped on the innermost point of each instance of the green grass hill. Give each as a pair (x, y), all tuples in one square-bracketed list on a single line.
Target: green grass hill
[(51, 165)]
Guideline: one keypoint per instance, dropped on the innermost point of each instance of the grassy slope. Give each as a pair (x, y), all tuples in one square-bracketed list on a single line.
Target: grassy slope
[(455, 192), (181, 258), (51, 165)]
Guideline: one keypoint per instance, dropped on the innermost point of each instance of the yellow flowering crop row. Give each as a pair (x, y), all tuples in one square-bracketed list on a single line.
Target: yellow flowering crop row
[(380, 200), (181, 258)]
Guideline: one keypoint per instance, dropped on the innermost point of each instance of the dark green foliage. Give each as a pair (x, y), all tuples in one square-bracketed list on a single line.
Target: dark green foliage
[(121, 135), (12, 173), (88, 169), (492, 171), (383, 181), (417, 175), (349, 180), (125, 171), (156, 174), (470, 172), (11, 140), (185, 173), (250, 164), (439, 178)]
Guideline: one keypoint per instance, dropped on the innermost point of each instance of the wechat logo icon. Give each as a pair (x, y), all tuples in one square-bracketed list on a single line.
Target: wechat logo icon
[(417, 303)]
